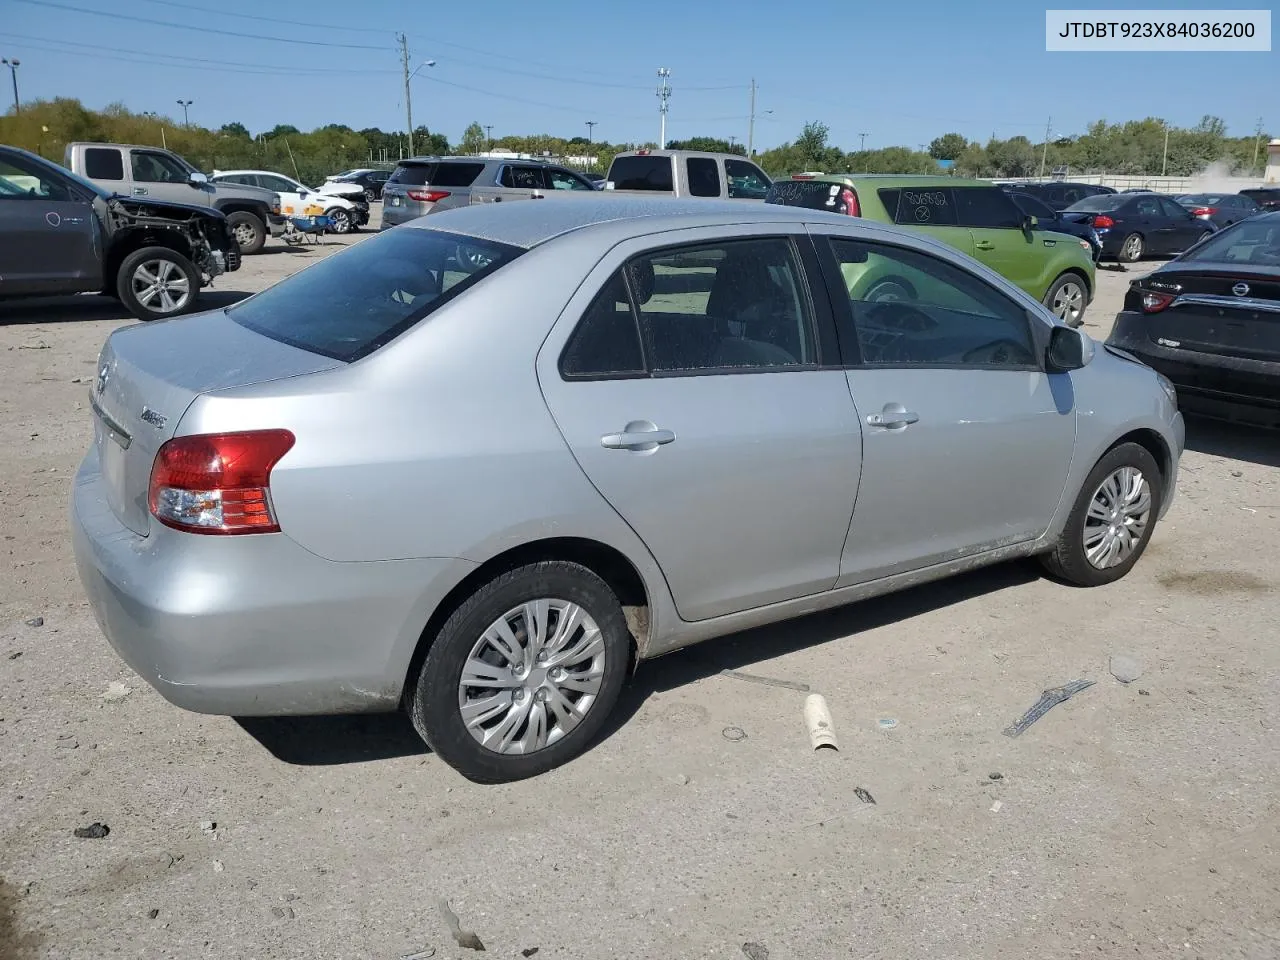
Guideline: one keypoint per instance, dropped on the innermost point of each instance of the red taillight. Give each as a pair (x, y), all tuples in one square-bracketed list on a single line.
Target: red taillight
[(427, 196), (642, 153), (1103, 222), (802, 176), (1153, 302), (1204, 211), (217, 483), (849, 203)]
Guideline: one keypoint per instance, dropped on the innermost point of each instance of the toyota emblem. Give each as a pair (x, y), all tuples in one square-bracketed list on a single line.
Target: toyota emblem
[(1240, 289)]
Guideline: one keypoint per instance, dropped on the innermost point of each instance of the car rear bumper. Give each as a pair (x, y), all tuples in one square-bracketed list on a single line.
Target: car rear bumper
[(252, 625), (1209, 384)]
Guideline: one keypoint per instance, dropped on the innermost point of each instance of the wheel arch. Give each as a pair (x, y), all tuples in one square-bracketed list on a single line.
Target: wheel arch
[(608, 563), (1154, 444), (134, 240)]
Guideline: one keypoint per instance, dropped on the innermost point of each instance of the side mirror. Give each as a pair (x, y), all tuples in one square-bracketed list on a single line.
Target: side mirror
[(608, 185), (303, 192), (197, 179), (1068, 350), (1028, 223)]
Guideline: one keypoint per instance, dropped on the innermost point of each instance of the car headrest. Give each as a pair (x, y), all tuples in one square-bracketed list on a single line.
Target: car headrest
[(640, 273)]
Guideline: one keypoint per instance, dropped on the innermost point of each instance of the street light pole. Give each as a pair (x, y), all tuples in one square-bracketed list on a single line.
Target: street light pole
[(1164, 158), (13, 69), (184, 104), (488, 135), (408, 94), (751, 122)]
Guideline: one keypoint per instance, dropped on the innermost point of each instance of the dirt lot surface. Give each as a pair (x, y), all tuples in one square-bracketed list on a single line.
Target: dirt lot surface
[(1131, 821)]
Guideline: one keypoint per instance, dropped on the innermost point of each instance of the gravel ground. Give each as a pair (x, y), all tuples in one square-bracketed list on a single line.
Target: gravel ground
[(1136, 820)]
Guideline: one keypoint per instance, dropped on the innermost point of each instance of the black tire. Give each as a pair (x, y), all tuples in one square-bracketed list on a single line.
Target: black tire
[(893, 284), (1067, 560), (1131, 256), (248, 230), (434, 708), (1057, 286), (125, 285)]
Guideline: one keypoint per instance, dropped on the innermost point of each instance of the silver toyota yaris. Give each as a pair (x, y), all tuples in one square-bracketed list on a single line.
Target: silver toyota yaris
[(474, 466)]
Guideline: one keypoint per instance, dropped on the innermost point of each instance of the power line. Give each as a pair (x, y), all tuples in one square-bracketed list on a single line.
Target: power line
[(506, 96), (252, 16), (183, 60), (199, 29)]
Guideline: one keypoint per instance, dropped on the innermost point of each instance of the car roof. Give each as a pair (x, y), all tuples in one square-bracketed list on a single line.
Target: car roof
[(889, 179), (269, 173), (681, 153), (529, 224)]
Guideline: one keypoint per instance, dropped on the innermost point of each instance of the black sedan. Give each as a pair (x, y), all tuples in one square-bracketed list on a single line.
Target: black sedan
[(372, 180), (1220, 209), (1210, 322), (1049, 219), (1134, 225)]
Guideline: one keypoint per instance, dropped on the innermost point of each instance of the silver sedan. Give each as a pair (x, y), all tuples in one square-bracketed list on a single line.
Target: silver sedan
[(473, 467)]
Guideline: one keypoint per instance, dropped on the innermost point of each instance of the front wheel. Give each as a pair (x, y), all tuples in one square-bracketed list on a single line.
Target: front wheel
[(1112, 520), (524, 674), (1067, 299), (1132, 249), (250, 232), (156, 282), (339, 220)]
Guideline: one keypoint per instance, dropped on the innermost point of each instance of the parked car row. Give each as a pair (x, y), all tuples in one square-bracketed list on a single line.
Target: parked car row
[(343, 204)]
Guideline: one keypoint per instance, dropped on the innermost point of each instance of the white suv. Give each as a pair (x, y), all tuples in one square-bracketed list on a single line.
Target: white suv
[(347, 209)]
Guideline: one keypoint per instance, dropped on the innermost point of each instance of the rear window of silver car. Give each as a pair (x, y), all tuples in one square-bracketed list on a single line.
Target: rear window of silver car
[(350, 304), (641, 173), (436, 174)]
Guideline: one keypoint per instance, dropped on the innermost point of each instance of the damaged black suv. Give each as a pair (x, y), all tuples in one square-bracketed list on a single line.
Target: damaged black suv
[(61, 234)]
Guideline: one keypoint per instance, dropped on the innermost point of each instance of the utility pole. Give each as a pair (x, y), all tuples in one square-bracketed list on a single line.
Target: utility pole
[(1164, 159), (408, 96), (862, 142), (1257, 138), (664, 95), (591, 126), (184, 104), (751, 123), (13, 66), (1044, 154)]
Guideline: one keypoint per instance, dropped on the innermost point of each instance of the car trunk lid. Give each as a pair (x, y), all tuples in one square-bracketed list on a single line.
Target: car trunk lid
[(147, 377), (1228, 311)]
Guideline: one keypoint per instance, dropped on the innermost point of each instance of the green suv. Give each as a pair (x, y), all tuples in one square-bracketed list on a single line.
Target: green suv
[(971, 215)]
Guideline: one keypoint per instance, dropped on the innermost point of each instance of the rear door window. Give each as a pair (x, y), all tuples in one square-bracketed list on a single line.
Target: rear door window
[(986, 207), (103, 163), (522, 177), (1149, 207), (921, 206), (704, 176), (641, 173), (1174, 210), (349, 305)]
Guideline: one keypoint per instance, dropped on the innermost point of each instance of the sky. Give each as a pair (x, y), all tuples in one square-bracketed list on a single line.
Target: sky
[(900, 73)]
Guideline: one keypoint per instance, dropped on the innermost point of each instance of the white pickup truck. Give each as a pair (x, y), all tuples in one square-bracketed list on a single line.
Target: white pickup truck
[(687, 173), (143, 172)]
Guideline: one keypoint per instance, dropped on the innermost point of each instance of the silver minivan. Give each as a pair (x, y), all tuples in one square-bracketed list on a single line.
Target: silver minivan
[(424, 185)]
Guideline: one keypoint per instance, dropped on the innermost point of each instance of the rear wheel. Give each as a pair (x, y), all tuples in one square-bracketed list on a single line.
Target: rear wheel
[(1132, 248), (156, 282), (1067, 299), (1112, 520), (250, 232), (524, 674)]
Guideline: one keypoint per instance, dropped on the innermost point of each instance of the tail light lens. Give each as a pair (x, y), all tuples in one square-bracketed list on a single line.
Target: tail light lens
[(218, 483), (427, 196), (1204, 211), (1103, 222), (1153, 302), (849, 202)]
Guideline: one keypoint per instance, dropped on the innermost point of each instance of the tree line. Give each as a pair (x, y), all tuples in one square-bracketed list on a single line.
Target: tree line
[(1137, 147)]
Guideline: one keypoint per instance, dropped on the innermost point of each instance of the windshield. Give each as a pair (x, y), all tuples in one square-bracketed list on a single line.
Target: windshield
[(1249, 241), (1099, 204), (352, 303)]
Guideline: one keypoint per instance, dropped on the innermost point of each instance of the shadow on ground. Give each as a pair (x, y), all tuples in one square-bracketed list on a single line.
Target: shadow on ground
[(91, 307), (333, 740), (1234, 441)]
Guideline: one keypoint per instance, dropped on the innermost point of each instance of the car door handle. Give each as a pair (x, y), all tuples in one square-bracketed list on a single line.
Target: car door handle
[(139, 191), (636, 438), (893, 418), (985, 245)]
